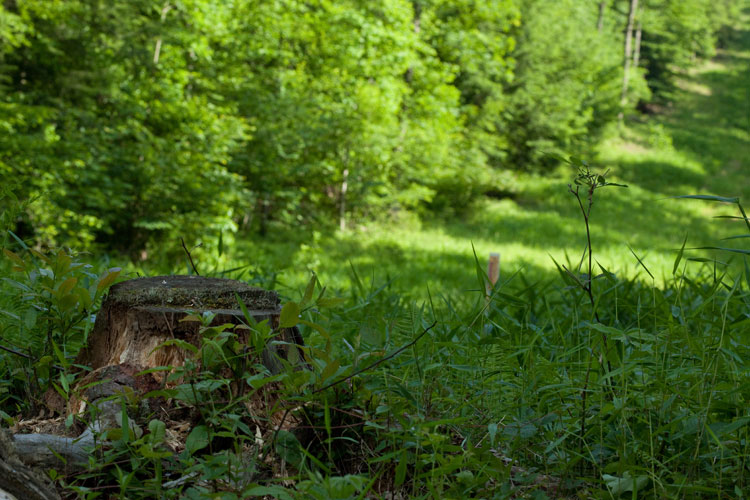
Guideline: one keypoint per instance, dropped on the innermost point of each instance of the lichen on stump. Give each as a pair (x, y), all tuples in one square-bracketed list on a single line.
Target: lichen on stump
[(141, 314)]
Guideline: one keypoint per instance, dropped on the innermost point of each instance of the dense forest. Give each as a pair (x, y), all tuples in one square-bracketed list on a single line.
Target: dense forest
[(130, 123)]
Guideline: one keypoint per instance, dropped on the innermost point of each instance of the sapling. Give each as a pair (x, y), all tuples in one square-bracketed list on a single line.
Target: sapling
[(591, 182)]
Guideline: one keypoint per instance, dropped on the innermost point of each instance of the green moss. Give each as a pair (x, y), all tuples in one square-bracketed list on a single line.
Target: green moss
[(192, 292)]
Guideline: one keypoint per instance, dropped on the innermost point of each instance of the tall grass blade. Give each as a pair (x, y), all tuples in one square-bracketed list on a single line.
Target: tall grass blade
[(679, 256), (742, 211), (640, 262), (724, 249), (709, 197)]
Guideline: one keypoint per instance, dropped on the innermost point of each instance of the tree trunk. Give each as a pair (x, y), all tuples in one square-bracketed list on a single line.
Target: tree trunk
[(628, 54), (417, 23), (600, 21), (157, 46), (264, 202), (637, 49), (342, 200)]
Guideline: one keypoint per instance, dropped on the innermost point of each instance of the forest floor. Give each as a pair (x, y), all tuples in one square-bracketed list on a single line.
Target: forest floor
[(698, 144)]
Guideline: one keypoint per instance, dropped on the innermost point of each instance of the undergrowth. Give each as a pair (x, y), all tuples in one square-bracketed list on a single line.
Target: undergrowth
[(582, 386)]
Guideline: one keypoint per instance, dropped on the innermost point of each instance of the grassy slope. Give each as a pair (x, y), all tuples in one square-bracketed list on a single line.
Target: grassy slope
[(701, 144)]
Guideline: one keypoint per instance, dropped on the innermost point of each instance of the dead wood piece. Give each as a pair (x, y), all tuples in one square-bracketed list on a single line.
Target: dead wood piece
[(44, 450), (104, 402), (52, 451), (18, 480)]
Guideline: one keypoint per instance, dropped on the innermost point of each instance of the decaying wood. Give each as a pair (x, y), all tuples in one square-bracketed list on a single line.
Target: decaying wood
[(45, 450), (17, 480), (141, 314)]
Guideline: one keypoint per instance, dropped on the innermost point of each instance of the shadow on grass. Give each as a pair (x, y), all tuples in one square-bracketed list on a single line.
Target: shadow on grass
[(661, 178), (714, 127)]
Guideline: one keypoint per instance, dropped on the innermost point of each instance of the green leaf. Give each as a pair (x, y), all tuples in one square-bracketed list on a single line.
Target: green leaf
[(179, 343), (267, 491), (84, 297), (624, 484), (289, 316), (724, 249), (330, 370), (317, 327), (574, 160), (309, 290), (10, 314), (492, 430), (15, 258), (288, 448), (704, 260), (18, 240), (158, 431), (248, 317), (401, 469), (679, 256), (557, 157), (147, 451), (108, 278), (330, 302), (197, 439)]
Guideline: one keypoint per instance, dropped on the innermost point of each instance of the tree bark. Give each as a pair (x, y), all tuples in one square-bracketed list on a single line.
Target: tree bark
[(628, 53), (637, 49), (157, 46), (417, 23), (342, 201)]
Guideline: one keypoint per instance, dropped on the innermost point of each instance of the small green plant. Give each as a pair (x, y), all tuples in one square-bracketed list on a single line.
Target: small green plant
[(590, 182), (52, 311)]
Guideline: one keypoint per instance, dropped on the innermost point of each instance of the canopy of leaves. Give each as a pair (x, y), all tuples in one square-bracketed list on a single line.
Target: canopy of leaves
[(131, 123)]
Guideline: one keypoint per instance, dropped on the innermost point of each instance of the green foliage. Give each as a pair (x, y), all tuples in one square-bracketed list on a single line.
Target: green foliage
[(47, 309), (675, 32), (122, 151), (488, 403), (129, 124), (567, 81)]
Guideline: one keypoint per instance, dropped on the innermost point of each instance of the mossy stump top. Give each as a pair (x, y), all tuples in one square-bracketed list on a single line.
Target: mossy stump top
[(192, 292), (139, 315)]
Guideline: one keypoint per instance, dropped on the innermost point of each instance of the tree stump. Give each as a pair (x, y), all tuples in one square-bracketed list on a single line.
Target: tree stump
[(137, 317), (141, 314)]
